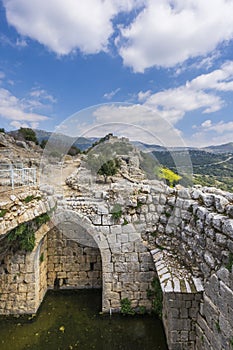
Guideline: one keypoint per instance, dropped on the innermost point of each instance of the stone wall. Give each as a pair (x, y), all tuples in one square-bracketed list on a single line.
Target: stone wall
[(183, 236), (192, 226), (23, 277), (71, 265), (127, 265), (215, 319)]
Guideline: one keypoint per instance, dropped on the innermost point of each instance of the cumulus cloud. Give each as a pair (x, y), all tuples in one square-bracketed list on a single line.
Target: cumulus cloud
[(220, 79), (220, 127), (158, 33), (138, 123), (174, 103), (169, 32), (199, 93), (66, 25), (209, 133), (18, 110)]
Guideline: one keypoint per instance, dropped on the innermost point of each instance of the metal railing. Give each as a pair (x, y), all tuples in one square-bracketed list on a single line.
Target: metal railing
[(11, 177)]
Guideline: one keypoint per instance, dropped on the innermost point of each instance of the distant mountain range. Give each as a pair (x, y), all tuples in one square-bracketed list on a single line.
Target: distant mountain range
[(84, 143), (81, 142), (225, 148)]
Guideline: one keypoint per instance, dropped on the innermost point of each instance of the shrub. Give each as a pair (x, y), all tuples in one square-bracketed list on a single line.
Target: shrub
[(3, 212), (156, 295), (73, 151), (23, 236), (28, 134), (126, 308), (168, 175), (116, 211), (230, 262), (41, 257), (43, 143), (109, 168)]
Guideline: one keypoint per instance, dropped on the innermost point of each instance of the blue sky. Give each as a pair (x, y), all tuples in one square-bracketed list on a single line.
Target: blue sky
[(168, 62)]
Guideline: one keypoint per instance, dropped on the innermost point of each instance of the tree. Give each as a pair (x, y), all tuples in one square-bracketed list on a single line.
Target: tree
[(2, 130), (168, 175), (109, 168), (73, 151), (28, 134), (43, 143)]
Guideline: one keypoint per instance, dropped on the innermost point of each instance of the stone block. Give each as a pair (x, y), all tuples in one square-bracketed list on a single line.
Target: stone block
[(228, 228)]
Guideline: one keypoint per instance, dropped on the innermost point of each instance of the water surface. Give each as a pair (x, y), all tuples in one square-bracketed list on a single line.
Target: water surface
[(70, 320)]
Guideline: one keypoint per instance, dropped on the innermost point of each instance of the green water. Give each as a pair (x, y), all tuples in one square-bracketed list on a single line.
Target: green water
[(70, 320)]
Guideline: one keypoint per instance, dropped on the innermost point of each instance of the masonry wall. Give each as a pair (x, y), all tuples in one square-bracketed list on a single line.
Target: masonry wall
[(55, 262), (17, 284), (201, 233), (180, 311), (71, 265), (195, 226)]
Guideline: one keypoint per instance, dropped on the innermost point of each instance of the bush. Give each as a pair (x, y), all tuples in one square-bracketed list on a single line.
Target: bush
[(156, 295), (28, 134), (109, 168), (73, 151), (3, 212), (43, 143), (126, 308), (116, 211), (230, 262), (23, 236), (168, 175)]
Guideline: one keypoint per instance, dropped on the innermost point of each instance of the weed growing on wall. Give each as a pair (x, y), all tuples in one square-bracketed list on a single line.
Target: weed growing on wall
[(230, 262), (126, 308), (3, 212), (156, 295), (116, 211), (23, 236)]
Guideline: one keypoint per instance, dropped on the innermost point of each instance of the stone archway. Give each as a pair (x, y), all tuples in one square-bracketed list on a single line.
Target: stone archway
[(83, 250), (72, 264)]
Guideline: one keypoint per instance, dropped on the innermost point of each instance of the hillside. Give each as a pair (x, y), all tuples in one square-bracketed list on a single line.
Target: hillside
[(212, 166), (209, 168)]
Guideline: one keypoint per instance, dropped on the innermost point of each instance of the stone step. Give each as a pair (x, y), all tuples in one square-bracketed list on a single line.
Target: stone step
[(172, 276)]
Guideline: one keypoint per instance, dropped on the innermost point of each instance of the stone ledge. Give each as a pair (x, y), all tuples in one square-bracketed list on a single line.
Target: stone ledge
[(173, 276)]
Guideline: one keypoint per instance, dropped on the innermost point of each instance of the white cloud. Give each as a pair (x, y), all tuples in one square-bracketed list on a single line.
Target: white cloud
[(169, 32), (220, 79), (21, 43), (143, 95), (42, 95), (17, 110), (206, 123), (110, 95), (199, 93), (209, 133), (66, 25), (174, 103), (138, 123), (220, 127)]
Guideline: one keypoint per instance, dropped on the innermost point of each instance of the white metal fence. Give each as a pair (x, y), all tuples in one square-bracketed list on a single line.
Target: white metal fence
[(15, 176)]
